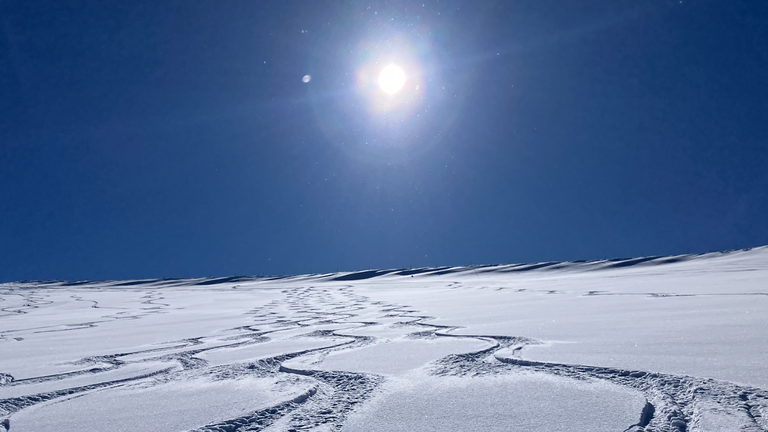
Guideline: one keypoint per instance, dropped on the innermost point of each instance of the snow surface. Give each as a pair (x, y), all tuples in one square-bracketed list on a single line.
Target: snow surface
[(655, 344), (498, 404)]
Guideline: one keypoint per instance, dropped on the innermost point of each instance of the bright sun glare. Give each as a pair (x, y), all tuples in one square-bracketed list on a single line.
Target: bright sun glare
[(391, 79)]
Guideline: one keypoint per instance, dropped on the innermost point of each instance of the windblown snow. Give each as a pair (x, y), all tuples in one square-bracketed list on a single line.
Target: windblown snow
[(665, 344)]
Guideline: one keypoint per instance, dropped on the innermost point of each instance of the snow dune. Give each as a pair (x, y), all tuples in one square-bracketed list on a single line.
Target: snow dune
[(643, 344)]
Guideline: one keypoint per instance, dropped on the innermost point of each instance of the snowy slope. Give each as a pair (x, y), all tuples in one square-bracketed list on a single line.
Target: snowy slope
[(655, 344)]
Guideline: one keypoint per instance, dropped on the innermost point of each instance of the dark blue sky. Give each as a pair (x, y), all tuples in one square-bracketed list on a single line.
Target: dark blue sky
[(174, 139)]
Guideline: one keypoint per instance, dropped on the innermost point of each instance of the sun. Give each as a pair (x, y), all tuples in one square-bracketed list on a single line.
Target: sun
[(392, 79)]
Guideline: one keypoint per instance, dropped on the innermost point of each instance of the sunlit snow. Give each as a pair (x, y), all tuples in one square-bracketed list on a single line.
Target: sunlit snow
[(650, 344)]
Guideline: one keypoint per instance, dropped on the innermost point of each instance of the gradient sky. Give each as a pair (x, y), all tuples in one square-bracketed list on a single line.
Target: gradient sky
[(147, 139)]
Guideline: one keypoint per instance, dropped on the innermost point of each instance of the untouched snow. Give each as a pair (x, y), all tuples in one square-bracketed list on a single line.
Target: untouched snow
[(498, 404), (656, 344)]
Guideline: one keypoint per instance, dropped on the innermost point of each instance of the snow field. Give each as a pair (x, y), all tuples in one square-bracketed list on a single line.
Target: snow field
[(666, 344)]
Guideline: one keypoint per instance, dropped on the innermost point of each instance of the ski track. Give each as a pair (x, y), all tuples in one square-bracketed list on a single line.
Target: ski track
[(674, 403)]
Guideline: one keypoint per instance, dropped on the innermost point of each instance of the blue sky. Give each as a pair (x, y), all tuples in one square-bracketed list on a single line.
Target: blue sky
[(176, 139)]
